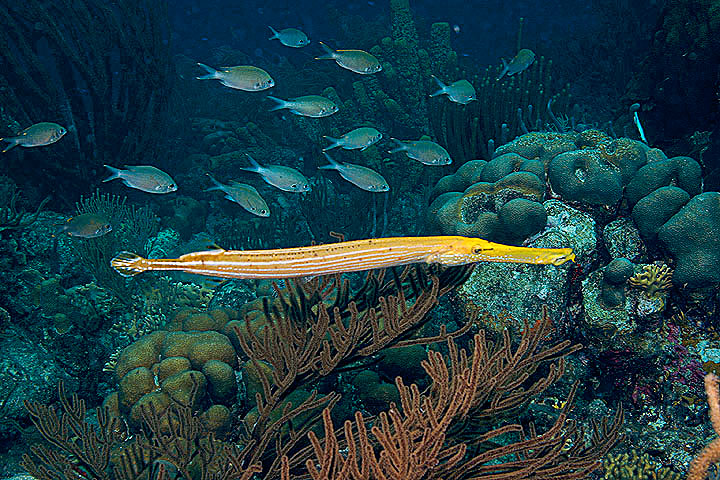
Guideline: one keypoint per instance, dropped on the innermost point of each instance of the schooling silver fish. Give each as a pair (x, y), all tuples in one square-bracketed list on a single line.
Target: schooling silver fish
[(38, 135), (143, 177), (313, 106), (461, 92), (358, 175), (424, 151), (290, 37), (358, 61), (244, 77), (244, 195), (285, 178), (522, 60), (360, 138)]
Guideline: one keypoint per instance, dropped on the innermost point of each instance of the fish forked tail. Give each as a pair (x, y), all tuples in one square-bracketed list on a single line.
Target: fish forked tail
[(280, 103), (211, 72), (329, 54), (254, 166), (333, 164), (128, 264), (506, 67), (443, 87), (400, 146), (12, 141), (114, 173), (274, 32), (217, 185), (335, 142)]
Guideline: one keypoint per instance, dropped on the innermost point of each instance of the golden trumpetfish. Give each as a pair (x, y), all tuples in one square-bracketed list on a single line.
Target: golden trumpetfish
[(341, 257)]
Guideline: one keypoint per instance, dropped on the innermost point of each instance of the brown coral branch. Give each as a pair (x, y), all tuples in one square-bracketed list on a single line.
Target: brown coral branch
[(711, 453)]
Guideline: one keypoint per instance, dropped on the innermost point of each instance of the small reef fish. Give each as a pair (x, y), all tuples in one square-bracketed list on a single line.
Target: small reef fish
[(285, 178), (38, 135), (341, 257), (358, 61), (424, 151), (522, 60), (358, 175), (87, 225), (244, 195), (360, 138), (461, 92), (313, 106), (244, 77), (290, 37), (143, 177)]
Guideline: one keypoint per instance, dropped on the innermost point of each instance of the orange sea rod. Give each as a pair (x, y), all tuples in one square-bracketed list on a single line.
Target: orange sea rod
[(341, 257)]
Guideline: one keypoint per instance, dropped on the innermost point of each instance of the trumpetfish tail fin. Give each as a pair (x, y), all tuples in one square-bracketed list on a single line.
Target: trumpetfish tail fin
[(128, 264)]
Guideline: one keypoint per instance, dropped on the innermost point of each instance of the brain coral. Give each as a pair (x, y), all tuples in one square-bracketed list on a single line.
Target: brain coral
[(693, 237), (166, 366), (506, 210)]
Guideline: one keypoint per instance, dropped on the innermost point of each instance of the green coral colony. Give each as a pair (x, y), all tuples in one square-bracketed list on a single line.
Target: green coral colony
[(604, 367)]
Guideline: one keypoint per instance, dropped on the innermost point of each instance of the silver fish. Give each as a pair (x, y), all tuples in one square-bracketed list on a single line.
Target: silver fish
[(143, 177), (358, 61), (360, 138), (38, 135), (520, 62), (285, 178), (424, 151), (358, 175), (244, 195), (461, 92), (313, 106), (290, 37), (87, 225), (244, 77)]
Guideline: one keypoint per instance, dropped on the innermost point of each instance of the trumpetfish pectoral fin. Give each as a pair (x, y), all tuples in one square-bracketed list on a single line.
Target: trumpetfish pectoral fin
[(128, 264)]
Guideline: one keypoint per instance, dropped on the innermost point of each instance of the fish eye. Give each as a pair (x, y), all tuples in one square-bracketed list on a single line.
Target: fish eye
[(263, 211), (306, 187), (477, 250)]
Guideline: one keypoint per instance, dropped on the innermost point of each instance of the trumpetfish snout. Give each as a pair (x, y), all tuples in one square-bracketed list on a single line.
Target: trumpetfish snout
[(353, 256)]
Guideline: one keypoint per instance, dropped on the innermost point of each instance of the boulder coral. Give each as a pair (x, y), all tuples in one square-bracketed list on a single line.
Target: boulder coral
[(500, 200), (190, 363)]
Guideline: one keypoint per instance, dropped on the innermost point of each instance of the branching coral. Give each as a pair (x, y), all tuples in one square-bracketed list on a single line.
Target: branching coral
[(423, 437), (13, 218), (654, 279), (711, 453), (461, 427)]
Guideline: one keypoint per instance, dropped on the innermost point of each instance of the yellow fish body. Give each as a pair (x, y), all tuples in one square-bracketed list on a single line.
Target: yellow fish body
[(341, 257), (243, 77), (358, 61), (38, 135)]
